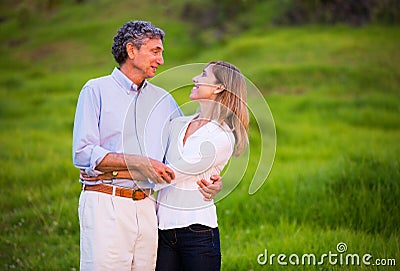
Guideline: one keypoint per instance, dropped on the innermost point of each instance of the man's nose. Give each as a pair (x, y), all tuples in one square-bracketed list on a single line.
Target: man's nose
[(160, 60)]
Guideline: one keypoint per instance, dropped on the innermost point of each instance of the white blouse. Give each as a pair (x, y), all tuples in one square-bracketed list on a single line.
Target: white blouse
[(204, 153)]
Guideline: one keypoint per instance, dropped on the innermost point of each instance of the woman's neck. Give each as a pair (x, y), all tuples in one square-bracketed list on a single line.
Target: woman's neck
[(206, 110)]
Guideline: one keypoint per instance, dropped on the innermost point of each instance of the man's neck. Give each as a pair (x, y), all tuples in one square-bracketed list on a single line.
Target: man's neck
[(134, 76)]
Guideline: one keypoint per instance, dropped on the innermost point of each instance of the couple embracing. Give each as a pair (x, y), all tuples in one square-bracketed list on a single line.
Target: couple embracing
[(131, 140)]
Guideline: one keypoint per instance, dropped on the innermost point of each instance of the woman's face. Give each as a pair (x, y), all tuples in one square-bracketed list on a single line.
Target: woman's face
[(204, 85)]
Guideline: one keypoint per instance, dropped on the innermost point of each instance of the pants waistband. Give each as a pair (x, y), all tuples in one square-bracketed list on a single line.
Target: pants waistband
[(134, 194)]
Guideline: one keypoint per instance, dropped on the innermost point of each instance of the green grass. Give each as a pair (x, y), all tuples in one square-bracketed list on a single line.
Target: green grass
[(334, 96)]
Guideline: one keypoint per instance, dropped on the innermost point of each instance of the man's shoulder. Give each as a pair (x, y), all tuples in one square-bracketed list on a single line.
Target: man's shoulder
[(156, 89), (181, 120), (99, 80), (159, 94), (98, 85)]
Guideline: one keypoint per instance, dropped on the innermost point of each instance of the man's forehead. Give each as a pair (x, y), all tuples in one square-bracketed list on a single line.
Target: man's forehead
[(153, 44)]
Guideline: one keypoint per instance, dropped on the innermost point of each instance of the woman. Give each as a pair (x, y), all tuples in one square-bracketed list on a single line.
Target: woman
[(188, 229)]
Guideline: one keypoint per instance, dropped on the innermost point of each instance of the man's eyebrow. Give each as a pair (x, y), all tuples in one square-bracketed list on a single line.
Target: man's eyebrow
[(158, 48)]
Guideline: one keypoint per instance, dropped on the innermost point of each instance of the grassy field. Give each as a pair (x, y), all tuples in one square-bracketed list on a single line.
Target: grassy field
[(335, 100)]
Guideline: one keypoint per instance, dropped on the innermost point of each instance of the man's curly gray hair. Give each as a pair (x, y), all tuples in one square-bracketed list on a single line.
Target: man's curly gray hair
[(135, 32)]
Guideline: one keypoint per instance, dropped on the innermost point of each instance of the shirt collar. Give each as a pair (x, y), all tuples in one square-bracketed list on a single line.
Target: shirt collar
[(125, 82), (211, 126)]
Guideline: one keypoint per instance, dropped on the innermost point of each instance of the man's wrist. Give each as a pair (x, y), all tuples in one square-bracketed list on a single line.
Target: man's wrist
[(114, 174), (134, 162)]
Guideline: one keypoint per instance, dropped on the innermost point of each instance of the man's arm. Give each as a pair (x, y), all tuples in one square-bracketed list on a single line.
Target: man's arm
[(146, 168), (88, 154)]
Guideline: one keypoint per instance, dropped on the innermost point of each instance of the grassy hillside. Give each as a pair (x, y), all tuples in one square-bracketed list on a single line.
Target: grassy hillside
[(333, 93)]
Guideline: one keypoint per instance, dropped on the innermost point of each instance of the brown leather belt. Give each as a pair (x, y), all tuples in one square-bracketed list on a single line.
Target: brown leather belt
[(135, 194)]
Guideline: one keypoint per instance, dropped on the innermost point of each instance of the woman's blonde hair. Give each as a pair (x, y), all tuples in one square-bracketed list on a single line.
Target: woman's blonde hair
[(231, 106)]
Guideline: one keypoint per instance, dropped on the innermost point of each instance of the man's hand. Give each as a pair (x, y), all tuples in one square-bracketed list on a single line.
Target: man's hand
[(210, 188), (157, 172)]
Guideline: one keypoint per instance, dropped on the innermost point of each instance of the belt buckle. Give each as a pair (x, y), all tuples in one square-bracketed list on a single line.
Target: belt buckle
[(134, 193)]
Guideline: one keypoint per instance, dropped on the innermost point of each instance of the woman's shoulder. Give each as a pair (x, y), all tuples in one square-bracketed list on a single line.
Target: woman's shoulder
[(222, 131), (221, 127)]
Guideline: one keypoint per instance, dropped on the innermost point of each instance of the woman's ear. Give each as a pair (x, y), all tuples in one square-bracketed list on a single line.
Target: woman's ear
[(219, 89)]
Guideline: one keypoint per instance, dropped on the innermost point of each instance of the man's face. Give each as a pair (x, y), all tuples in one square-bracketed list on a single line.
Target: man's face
[(148, 58)]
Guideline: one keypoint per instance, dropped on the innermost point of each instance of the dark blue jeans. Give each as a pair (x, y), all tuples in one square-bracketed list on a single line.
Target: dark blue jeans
[(194, 248)]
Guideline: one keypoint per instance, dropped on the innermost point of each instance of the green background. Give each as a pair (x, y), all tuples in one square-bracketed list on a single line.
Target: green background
[(333, 90)]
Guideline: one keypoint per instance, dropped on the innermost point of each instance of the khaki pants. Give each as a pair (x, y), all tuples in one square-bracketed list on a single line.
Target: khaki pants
[(117, 233)]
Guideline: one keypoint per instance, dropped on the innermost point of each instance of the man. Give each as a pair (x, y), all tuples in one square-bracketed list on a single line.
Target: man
[(120, 124)]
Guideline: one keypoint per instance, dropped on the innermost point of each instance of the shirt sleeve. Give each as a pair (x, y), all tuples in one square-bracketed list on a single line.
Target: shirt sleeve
[(86, 150), (174, 112)]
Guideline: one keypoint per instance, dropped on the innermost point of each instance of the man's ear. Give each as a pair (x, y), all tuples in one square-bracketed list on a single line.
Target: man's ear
[(131, 50)]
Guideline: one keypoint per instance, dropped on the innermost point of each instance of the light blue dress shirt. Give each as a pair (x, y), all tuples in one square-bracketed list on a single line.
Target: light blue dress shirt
[(112, 115)]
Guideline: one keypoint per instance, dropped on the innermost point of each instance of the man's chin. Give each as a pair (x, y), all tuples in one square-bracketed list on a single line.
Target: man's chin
[(151, 75)]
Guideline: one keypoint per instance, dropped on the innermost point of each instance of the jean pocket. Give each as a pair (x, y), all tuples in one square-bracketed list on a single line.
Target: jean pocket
[(204, 238), (198, 228)]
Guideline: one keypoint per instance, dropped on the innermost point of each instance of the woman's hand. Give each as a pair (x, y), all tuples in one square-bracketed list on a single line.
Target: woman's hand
[(210, 189)]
